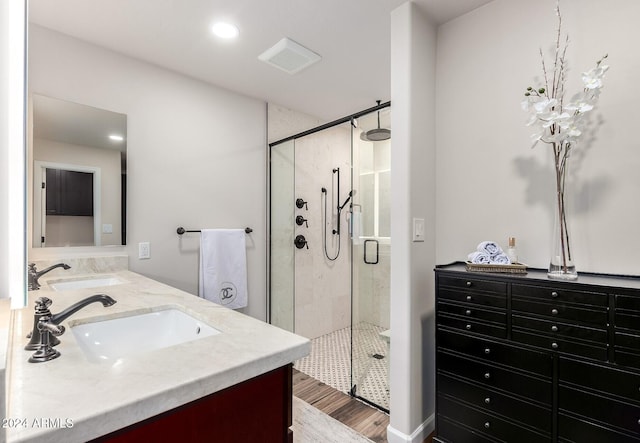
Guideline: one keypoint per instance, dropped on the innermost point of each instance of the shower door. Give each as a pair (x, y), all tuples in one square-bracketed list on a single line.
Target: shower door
[(329, 253), (371, 252)]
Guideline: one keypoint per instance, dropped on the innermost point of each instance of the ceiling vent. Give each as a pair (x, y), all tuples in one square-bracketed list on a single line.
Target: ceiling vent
[(289, 56)]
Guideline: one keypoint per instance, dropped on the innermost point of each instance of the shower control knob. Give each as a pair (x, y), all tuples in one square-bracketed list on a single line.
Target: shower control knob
[(300, 220), (300, 242), (300, 203)]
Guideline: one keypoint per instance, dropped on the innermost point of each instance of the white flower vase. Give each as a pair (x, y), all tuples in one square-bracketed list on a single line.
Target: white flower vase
[(561, 265)]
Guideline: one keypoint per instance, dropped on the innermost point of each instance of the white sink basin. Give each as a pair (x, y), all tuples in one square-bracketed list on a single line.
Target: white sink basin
[(111, 339), (69, 285)]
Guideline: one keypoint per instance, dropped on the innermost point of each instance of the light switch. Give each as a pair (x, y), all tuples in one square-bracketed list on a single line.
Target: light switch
[(107, 228), (418, 229)]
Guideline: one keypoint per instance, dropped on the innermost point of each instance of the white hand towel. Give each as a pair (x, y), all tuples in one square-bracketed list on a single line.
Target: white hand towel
[(479, 258), (223, 267), (500, 259), (490, 247)]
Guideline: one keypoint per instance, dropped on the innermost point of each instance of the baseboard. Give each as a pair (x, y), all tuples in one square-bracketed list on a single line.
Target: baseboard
[(417, 436)]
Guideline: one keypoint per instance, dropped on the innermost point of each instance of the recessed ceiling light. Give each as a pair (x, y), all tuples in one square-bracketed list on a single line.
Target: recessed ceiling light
[(225, 30), (116, 138)]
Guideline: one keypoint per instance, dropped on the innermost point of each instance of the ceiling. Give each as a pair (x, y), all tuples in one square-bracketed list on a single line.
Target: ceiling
[(351, 36)]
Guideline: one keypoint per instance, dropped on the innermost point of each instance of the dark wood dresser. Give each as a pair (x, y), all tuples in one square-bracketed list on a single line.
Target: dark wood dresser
[(521, 358)]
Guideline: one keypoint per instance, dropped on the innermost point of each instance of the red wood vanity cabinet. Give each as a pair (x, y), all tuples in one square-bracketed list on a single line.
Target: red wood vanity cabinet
[(256, 410)]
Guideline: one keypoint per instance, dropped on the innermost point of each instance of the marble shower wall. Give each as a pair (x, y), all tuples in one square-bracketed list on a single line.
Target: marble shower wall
[(322, 286)]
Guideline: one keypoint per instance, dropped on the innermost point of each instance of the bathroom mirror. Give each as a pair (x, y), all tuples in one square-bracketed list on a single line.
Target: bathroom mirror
[(79, 156)]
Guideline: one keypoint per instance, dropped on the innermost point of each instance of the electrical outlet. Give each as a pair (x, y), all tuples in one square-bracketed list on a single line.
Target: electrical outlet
[(144, 250)]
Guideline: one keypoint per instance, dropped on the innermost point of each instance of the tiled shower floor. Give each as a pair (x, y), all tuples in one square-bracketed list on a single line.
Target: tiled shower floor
[(330, 362)]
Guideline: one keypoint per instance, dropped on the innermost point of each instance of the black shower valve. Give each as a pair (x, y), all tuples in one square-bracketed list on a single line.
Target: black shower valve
[(300, 242), (300, 220), (300, 203)]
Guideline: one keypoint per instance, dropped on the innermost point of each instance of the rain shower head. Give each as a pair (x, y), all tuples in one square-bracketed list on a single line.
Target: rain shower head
[(378, 134)]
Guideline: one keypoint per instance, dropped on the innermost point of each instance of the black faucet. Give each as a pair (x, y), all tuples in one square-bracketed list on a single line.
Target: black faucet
[(46, 326), (34, 274)]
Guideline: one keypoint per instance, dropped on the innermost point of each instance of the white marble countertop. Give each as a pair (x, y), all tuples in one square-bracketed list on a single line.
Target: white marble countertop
[(71, 399)]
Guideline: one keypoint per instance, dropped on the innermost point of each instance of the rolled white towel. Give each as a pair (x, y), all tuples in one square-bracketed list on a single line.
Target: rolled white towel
[(500, 259), (491, 248), (479, 258)]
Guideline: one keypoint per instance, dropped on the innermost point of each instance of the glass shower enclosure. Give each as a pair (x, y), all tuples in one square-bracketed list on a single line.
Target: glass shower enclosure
[(330, 250)]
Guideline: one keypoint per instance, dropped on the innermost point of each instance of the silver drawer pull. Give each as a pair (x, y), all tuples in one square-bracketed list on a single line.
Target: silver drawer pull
[(487, 400), (468, 298), (554, 294), (554, 345), (554, 328), (468, 327), (487, 425), (554, 311), (468, 312), (487, 351), (469, 284), (487, 375), (639, 421)]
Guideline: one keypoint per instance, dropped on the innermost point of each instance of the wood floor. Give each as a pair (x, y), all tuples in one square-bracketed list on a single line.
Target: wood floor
[(359, 416)]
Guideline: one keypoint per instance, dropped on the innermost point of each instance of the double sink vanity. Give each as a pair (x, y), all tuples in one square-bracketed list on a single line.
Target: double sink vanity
[(157, 362)]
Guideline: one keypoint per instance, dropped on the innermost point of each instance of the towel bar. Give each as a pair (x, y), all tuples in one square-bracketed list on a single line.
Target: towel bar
[(182, 230)]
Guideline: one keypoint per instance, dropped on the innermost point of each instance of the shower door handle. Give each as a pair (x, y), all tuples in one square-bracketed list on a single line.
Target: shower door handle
[(377, 252)]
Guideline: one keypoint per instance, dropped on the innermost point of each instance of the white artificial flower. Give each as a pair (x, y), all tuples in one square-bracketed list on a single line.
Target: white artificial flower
[(545, 104)]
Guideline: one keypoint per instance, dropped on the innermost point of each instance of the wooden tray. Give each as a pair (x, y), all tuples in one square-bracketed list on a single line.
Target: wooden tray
[(514, 268)]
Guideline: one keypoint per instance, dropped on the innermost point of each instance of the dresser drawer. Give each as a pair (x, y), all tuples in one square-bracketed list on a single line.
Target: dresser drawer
[(628, 302), (608, 380), (473, 312), (492, 376), (561, 345), (496, 403), (561, 312), (573, 430), (451, 432), (477, 298), (494, 352), (625, 358), (559, 329), (609, 412), (493, 330), (560, 295), (473, 283), (630, 341), (627, 321), (488, 423)]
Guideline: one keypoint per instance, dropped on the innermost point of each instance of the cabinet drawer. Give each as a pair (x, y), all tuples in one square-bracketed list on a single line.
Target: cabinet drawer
[(473, 312), (574, 430), (608, 380), (627, 321), (473, 283), (493, 330), (502, 353), (624, 416), (559, 329), (625, 358), (477, 298), (487, 423), (630, 341), (561, 345), (560, 295), (496, 403), (492, 376), (450, 432), (561, 311), (628, 302)]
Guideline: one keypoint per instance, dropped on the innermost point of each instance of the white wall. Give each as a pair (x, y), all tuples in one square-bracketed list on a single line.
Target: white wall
[(413, 186), (196, 154), (491, 185)]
